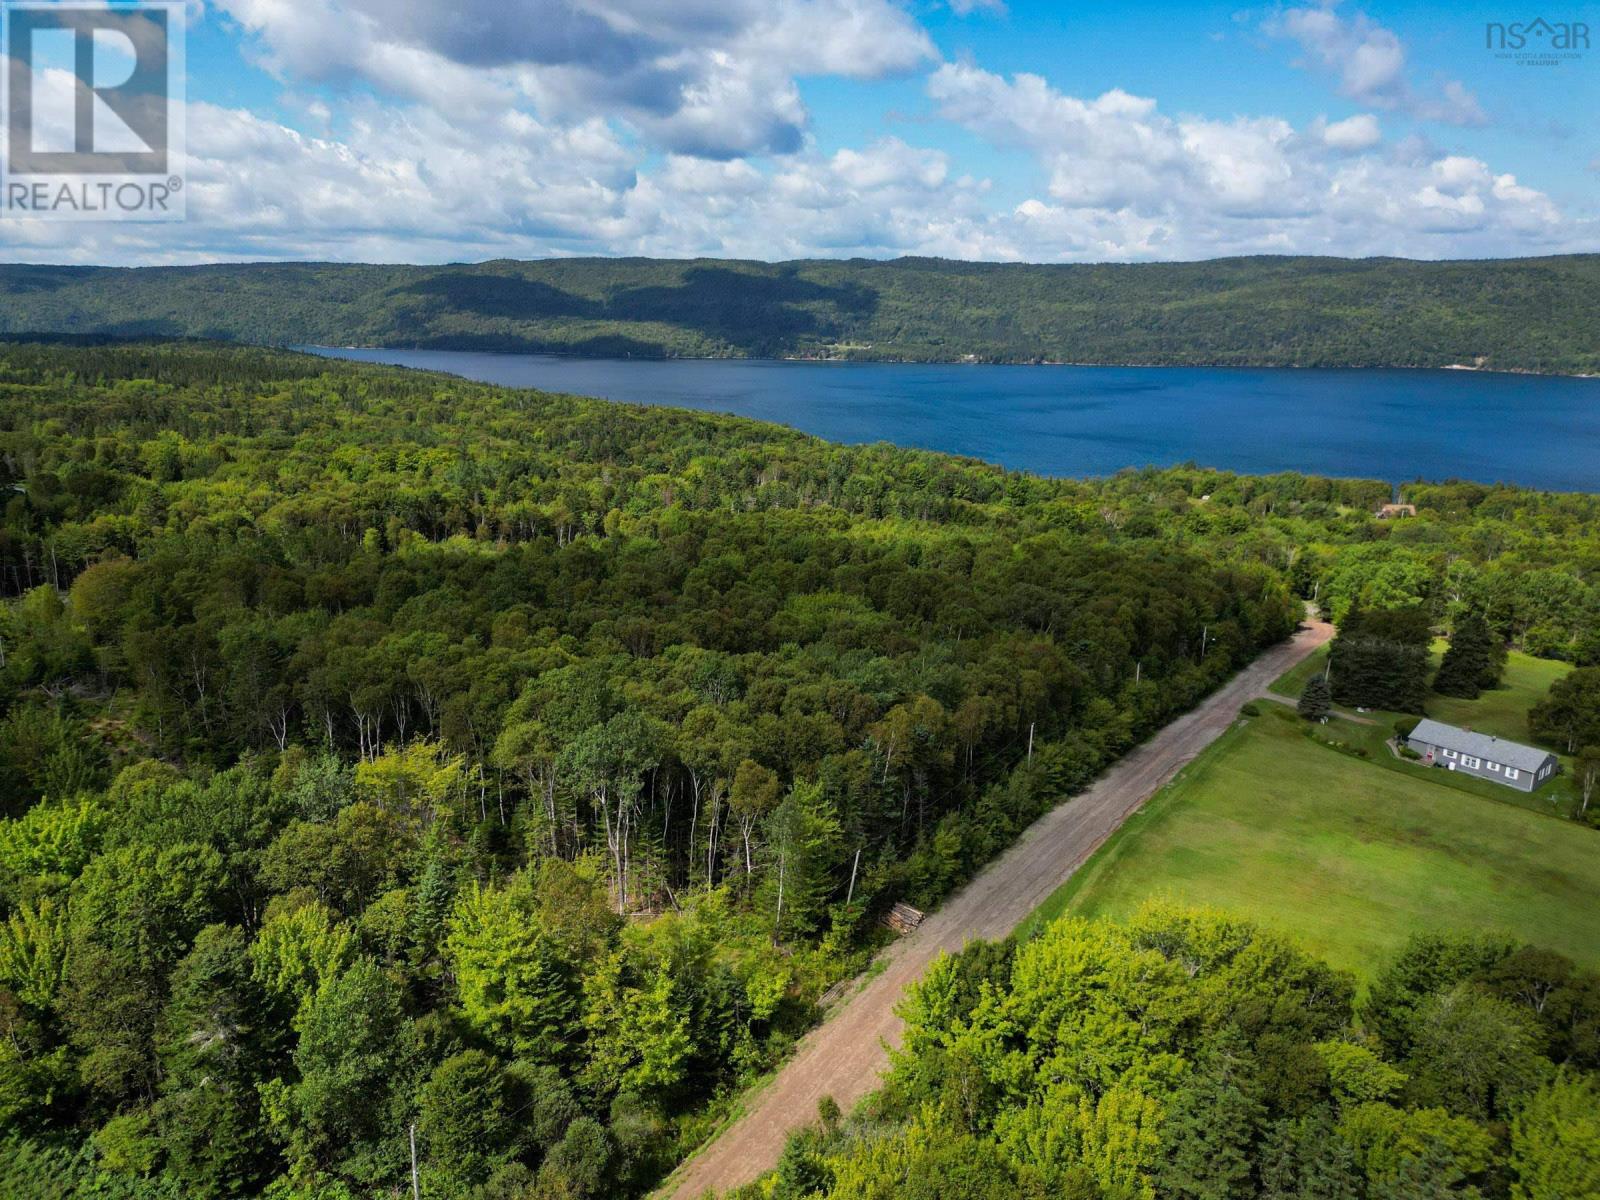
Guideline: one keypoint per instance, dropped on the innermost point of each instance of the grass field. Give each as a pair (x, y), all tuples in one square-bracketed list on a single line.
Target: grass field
[(1340, 852), (1293, 681), (1504, 711)]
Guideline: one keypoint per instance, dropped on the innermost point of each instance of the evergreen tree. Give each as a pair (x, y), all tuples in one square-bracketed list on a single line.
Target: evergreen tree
[(1432, 1174), (1308, 1160), (430, 913), (802, 834), (215, 1044), (1380, 659), (1473, 662), (1316, 702), (1210, 1128)]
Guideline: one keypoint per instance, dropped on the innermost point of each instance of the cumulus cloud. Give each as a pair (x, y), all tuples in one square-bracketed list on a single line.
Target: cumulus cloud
[(1117, 151), (1360, 132), (715, 79), (1125, 180), (412, 187), (469, 138), (1368, 63)]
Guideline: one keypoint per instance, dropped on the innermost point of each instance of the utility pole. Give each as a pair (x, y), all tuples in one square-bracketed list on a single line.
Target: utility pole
[(416, 1182), (851, 894), (1030, 742)]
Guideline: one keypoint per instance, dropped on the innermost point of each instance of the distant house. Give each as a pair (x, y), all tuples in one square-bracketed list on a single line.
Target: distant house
[(1483, 755), (1390, 511)]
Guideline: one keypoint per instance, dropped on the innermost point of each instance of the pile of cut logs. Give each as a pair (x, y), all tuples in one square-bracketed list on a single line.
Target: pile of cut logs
[(902, 918)]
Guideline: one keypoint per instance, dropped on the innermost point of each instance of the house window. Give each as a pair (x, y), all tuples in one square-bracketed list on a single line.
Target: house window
[(1513, 773), (1494, 766), (1473, 763), (1449, 753)]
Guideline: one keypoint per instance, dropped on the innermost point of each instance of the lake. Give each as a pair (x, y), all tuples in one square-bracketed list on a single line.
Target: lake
[(1536, 431)]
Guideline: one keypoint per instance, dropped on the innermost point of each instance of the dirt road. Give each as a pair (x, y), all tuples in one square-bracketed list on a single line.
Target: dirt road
[(844, 1056)]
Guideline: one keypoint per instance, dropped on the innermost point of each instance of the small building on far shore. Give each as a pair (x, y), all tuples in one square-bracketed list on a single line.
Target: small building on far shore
[(1390, 512), (1483, 755)]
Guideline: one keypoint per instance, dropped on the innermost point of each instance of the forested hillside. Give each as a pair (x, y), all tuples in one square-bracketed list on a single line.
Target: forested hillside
[(380, 750), (1522, 314), (1189, 1056)]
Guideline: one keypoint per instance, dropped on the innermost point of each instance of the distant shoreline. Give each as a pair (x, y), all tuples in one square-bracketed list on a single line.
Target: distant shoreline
[(965, 361), (1529, 316), (1520, 371)]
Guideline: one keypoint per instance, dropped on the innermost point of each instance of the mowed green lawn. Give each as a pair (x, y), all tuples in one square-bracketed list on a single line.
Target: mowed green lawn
[(1503, 711), (1293, 681), (1347, 857)]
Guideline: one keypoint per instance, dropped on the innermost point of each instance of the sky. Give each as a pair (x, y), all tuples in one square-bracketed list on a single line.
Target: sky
[(421, 131)]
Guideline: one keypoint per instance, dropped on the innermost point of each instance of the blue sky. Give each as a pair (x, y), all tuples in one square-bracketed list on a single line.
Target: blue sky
[(404, 130)]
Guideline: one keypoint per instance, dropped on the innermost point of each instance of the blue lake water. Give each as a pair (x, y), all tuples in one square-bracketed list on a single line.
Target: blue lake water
[(1539, 432)]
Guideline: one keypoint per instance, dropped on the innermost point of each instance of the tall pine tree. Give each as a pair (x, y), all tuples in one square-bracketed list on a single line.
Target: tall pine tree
[(1380, 659), (1473, 662), (1211, 1127), (1307, 1160)]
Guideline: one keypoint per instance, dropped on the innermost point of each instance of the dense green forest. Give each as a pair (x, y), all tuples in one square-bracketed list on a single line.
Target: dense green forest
[(1189, 1056), (383, 753), (1517, 314)]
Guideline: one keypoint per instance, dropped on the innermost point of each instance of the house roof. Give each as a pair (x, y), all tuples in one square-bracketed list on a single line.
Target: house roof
[(1480, 745)]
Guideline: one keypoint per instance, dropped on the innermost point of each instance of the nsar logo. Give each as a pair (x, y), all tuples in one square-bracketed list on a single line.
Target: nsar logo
[(1537, 43)]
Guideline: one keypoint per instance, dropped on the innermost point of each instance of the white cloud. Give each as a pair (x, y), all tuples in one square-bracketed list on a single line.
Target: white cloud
[(694, 77), (486, 139), (886, 197), (412, 187), (1124, 182), (1127, 181), (1368, 61), (1360, 132), (1118, 152)]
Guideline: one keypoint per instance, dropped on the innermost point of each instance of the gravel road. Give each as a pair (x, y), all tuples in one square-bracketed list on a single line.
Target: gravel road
[(844, 1056)]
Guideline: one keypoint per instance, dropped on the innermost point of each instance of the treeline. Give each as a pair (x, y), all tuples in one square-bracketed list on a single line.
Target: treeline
[(382, 752), (1515, 314), (385, 751), (1188, 1056)]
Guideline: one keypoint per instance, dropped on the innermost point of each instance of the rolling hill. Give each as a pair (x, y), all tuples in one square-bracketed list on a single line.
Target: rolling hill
[(1521, 314)]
